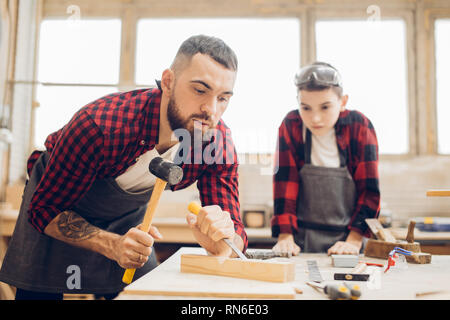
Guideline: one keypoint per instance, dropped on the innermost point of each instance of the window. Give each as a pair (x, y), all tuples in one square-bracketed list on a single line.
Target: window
[(78, 62), (442, 36), (58, 104), (268, 52), (371, 57)]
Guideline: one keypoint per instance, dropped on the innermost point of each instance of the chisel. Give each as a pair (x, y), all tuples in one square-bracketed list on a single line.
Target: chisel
[(194, 207)]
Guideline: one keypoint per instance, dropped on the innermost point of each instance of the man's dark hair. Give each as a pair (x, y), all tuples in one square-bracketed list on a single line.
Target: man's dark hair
[(214, 47), (312, 86)]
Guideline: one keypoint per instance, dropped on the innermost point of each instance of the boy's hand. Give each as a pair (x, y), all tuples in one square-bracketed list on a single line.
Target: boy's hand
[(286, 244), (351, 245), (344, 247)]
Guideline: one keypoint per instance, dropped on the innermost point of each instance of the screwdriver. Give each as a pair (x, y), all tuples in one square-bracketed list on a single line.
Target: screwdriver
[(333, 291), (355, 290)]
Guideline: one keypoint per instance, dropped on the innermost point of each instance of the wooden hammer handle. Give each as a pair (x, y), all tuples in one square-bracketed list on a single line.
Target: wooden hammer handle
[(158, 189), (410, 235)]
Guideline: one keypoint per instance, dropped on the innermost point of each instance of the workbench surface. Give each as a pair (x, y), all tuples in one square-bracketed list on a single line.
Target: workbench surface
[(167, 282)]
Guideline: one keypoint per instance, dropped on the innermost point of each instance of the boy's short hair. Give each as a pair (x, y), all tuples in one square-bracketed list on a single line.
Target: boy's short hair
[(313, 85), (213, 47)]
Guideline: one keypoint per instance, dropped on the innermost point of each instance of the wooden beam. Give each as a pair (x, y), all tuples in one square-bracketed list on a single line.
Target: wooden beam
[(264, 270), (438, 193)]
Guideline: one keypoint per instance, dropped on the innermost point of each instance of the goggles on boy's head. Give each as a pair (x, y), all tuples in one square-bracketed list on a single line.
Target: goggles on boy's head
[(318, 74)]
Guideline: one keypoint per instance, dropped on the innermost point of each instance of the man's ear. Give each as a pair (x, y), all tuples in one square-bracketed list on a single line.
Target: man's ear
[(167, 81), (344, 101)]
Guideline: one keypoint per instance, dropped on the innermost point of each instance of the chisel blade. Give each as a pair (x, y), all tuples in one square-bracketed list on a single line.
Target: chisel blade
[(235, 249)]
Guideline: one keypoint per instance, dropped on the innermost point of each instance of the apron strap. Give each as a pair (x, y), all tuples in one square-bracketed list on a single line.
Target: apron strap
[(308, 146)]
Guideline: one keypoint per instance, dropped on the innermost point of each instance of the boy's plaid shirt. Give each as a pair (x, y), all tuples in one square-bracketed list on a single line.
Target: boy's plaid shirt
[(355, 136)]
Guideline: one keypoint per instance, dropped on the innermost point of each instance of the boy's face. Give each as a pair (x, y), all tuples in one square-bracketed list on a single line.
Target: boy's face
[(320, 110)]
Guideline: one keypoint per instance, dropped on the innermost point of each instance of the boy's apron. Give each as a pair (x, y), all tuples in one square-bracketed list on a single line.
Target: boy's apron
[(325, 204), (38, 262)]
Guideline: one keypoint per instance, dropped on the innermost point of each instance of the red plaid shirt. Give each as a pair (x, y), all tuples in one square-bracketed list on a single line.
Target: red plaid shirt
[(356, 136), (106, 137)]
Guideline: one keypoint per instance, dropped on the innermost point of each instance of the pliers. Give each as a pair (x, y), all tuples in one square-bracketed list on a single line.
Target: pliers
[(392, 255)]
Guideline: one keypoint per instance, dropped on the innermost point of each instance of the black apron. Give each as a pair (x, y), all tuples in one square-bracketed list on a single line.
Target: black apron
[(325, 203), (38, 262)]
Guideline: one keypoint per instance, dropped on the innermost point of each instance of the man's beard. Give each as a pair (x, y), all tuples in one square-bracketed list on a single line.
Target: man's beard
[(177, 122)]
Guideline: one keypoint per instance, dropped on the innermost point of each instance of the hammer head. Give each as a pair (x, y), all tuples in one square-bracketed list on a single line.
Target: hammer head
[(166, 170)]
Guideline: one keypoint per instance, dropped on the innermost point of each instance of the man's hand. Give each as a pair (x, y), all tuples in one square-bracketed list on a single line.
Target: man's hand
[(130, 250), (210, 226), (286, 244), (351, 245), (134, 247)]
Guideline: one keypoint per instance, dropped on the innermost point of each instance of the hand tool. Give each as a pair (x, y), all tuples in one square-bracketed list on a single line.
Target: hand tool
[(394, 257), (410, 235), (360, 268), (378, 230), (265, 254), (356, 274), (351, 276), (355, 290), (374, 264), (314, 273), (165, 172), (194, 207), (333, 291)]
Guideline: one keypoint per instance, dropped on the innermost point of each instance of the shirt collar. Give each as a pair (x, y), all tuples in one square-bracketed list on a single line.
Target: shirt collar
[(151, 121)]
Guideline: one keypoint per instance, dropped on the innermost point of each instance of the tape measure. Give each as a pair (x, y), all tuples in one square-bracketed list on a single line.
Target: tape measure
[(314, 273)]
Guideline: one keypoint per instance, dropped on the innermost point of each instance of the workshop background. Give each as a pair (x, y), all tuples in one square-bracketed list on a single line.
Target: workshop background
[(394, 56)]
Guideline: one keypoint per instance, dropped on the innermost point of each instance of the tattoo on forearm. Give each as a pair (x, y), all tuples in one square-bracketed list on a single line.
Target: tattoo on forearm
[(74, 227)]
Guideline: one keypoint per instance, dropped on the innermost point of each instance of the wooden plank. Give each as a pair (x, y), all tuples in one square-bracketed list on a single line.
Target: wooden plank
[(438, 193), (443, 236), (263, 270), (167, 280)]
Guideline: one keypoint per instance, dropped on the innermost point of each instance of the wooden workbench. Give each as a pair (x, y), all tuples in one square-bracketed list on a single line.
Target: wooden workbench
[(167, 282)]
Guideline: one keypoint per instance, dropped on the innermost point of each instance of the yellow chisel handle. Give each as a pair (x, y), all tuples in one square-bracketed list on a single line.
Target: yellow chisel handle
[(194, 207), (128, 276)]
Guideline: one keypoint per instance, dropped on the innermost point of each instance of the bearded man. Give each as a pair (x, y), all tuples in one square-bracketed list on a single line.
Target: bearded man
[(89, 189)]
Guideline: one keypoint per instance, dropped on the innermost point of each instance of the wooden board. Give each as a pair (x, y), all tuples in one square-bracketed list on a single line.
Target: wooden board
[(168, 280), (263, 270), (438, 193)]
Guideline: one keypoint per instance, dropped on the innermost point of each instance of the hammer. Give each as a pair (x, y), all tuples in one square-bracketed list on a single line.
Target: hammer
[(165, 172)]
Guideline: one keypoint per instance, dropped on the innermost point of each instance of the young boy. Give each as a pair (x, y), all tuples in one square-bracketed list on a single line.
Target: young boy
[(326, 184)]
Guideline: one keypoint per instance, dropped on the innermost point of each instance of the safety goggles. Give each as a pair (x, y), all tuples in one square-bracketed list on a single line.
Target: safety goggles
[(319, 75)]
